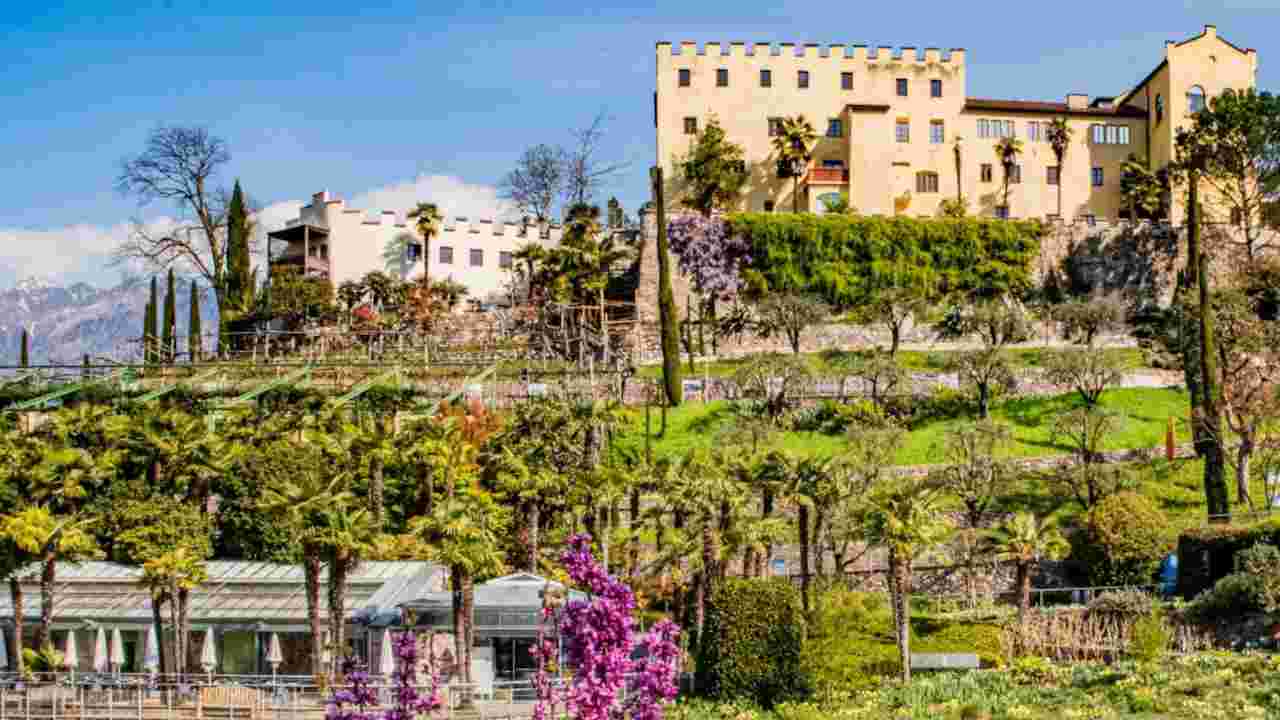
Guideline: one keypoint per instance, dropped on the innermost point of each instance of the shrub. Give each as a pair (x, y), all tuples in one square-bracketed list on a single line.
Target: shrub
[(1207, 554), (835, 418), (751, 643), (1231, 597), (943, 403), (1123, 603), (1150, 638), (1126, 538), (1262, 562)]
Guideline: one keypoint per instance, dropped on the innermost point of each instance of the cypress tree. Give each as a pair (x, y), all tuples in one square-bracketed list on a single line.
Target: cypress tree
[(24, 353), (167, 331), (152, 321), (193, 325), (666, 300), (239, 276), (1209, 437)]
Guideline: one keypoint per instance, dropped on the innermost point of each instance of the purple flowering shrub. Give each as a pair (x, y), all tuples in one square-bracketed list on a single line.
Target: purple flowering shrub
[(358, 701), (598, 639), (706, 252)]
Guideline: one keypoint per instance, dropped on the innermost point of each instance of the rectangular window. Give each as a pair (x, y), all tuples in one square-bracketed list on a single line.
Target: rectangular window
[(902, 131), (768, 206), (446, 255), (1124, 134), (1010, 130), (835, 128), (477, 257), (504, 260), (1034, 132), (1015, 175), (414, 252), (986, 172), (1113, 135), (802, 79), (766, 78), (902, 87), (846, 81), (937, 132), (935, 88), (1053, 175), (684, 75), (691, 126), (984, 128), (722, 77), (927, 182), (775, 127), (1097, 177), (1098, 134)]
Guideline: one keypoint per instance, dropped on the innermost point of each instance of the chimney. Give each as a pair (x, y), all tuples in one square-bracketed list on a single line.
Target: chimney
[(1211, 31), (1077, 101), (320, 198)]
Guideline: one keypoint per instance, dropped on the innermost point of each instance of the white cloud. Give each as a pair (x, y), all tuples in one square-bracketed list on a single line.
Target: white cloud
[(82, 252)]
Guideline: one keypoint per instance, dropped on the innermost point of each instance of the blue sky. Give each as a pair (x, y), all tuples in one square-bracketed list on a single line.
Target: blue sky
[(437, 99)]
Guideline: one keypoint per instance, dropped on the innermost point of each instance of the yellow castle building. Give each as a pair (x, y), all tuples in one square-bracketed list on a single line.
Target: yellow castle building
[(898, 133)]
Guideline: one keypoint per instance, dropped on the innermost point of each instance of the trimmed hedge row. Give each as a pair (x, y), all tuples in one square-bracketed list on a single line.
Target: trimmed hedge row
[(1208, 554), (752, 642), (845, 258)]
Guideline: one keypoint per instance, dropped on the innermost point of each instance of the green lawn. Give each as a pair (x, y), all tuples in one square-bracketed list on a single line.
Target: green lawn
[(1146, 412)]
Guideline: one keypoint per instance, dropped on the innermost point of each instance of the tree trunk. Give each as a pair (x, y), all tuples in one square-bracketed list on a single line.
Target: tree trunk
[(1244, 456), (666, 300), (311, 571), (48, 577), (899, 592), (459, 615), (532, 519), (803, 523), (766, 512), (178, 660), (984, 400), (895, 338), (376, 488), (1024, 591), (184, 624), (1215, 482), (157, 622), (634, 525), (339, 568), (468, 618), (15, 599)]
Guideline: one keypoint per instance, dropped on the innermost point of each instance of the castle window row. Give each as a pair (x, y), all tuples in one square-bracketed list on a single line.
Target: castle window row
[(1109, 134), (996, 128), (684, 78), (475, 257)]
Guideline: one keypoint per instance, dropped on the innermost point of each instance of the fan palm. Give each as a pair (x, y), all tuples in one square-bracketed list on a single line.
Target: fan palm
[(1025, 541), (427, 219), (349, 534), (1059, 137), (793, 143), (1007, 151), (531, 255)]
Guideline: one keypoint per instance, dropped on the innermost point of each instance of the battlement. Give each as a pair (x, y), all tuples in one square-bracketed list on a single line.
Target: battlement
[(454, 227), (812, 51)]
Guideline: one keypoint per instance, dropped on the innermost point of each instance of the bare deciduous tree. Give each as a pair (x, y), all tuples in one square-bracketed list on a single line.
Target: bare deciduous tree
[(584, 171), (536, 181), (180, 165)]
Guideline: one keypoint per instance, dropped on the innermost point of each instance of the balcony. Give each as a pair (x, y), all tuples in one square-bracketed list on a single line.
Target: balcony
[(828, 176), (314, 266)]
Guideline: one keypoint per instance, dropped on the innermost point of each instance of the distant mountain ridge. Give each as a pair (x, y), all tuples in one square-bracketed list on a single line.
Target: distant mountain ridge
[(66, 322)]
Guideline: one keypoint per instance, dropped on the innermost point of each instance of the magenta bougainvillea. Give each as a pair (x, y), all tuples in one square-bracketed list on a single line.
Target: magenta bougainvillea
[(598, 637), (706, 251), (358, 701)]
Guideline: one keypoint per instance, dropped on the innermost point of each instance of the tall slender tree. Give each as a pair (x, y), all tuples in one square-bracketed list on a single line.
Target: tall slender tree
[(666, 299), (24, 354), (194, 341), (1007, 151), (149, 335), (168, 330), (239, 271), (1059, 137), (427, 219)]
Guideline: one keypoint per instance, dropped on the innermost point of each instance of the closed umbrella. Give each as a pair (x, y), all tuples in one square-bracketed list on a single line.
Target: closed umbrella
[(4, 653), (208, 653), (274, 656), (71, 653), (387, 663), (151, 656), (117, 650), (100, 651)]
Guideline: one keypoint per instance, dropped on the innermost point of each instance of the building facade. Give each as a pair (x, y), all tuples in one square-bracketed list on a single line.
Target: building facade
[(898, 133), (333, 241)]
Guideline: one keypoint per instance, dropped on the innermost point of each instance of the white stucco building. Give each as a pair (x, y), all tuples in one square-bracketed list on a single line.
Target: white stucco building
[(340, 243)]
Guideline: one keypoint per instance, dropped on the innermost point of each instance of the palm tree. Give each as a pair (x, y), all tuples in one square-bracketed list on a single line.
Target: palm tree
[(1059, 137), (350, 534), (1025, 541), (38, 533), (904, 516), (428, 219), (793, 144), (1007, 151), (301, 489), (532, 255), (378, 285), (350, 293)]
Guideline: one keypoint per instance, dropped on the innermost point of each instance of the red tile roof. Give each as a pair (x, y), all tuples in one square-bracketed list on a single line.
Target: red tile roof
[(1051, 108)]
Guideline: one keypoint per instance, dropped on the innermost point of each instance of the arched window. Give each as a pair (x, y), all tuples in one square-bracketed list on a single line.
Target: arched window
[(1195, 99), (926, 182), (1159, 109)]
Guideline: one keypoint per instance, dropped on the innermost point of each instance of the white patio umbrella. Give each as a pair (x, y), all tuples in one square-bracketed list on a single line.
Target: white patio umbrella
[(274, 656), (117, 650), (4, 652), (208, 653), (387, 661), (100, 651), (71, 653), (151, 656)]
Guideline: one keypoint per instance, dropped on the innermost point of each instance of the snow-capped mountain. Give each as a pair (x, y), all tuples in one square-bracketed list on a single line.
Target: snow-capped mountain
[(66, 322)]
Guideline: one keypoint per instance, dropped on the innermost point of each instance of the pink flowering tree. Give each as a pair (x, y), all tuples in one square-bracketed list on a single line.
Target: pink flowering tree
[(359, 701), (598, 637)]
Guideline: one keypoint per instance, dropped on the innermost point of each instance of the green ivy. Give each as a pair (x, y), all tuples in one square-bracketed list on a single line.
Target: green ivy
[(845, 259), (752, 641)]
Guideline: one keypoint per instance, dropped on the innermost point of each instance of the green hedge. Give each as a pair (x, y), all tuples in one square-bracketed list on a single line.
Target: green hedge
[(844, 258), (752, 642), (1207, 554)]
